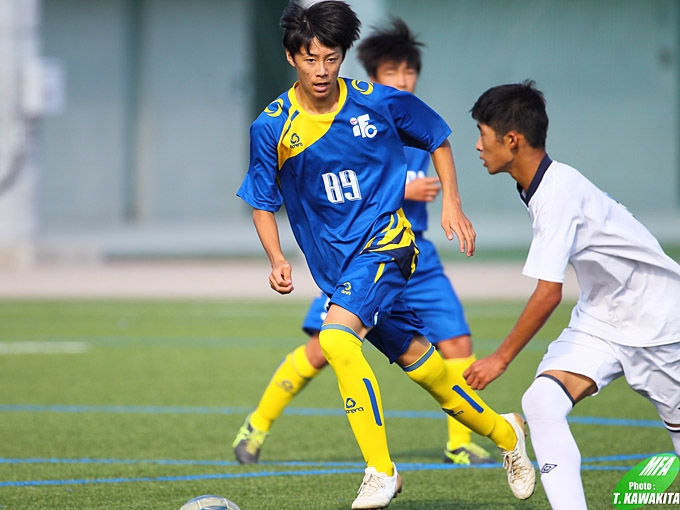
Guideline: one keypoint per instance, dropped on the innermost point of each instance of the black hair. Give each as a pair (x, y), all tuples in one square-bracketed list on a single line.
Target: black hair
[(392, 43), (514, 107), (332, 22)]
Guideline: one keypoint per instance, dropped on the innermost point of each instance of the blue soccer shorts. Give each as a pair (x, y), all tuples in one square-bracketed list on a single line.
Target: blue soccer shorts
[(371, 289), (428, 293)]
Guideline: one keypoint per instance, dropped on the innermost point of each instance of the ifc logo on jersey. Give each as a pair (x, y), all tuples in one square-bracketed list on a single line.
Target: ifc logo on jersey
[(362, 126), (209, 502)]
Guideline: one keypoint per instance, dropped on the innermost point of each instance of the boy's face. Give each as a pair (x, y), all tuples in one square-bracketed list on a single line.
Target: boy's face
[(317, 71), (496, 154), (396, 74)]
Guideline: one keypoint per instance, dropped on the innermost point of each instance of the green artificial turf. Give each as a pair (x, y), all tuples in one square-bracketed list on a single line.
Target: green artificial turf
[(134, 405)]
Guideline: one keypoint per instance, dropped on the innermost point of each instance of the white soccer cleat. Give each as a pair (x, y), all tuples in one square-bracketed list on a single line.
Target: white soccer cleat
[(521, 474), (377, 489)]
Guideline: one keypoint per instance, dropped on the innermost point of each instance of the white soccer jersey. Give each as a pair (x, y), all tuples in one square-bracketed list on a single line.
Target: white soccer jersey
[(630, 289)]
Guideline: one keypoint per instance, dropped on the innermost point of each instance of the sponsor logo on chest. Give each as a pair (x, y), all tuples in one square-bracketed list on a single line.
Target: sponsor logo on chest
[(362, 127)]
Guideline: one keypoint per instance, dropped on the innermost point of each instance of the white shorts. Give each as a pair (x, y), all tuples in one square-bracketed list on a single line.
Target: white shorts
[(653, 372)]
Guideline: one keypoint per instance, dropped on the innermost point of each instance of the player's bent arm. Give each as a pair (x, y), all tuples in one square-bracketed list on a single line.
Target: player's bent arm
[(542, 303), (454, 220), (280, 278)]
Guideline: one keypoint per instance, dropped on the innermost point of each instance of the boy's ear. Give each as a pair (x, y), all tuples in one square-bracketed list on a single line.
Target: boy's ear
[(290, 58), (513, 139)]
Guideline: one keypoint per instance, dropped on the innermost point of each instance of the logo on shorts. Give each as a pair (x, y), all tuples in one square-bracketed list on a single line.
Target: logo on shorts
[(347, 288), (547, 468), (646, 483)]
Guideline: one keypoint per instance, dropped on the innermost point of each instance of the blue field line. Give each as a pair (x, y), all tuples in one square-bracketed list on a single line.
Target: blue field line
[(132, 409), (320, 468), (618, 422), (409, 466), (173, 462), (352, 468), (185, 478), (120, 409), (618, 458)]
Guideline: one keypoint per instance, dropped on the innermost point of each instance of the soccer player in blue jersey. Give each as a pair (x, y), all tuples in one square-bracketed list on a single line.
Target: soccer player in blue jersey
[(330, 148), (391, 56), (626, 322)]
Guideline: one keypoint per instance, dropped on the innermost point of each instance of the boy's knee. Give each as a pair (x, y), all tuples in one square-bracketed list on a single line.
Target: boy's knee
[(546, 398), (338, 345), (314, 353)]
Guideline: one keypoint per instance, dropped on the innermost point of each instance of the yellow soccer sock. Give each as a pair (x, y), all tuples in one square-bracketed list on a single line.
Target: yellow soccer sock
[(290, 377), (360, 393), (459, 434), (458, 400)]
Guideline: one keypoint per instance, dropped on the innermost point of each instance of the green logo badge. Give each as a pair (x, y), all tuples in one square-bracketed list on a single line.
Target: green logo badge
[(647, 482)]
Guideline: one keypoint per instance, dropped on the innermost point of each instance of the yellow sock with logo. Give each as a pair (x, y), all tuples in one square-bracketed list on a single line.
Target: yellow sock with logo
[(360, 393), (457, 399), (459, 434), (290, 377)]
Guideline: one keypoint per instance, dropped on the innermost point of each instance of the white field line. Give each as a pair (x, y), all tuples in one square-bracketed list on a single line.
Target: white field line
[(13, 348)]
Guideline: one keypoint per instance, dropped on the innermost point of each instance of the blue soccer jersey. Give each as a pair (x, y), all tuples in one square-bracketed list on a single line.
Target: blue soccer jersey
[(415, 210), (429, 292), (341, 174)]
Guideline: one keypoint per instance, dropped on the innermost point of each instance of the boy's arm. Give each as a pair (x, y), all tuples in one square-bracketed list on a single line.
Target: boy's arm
[(538, 309), (280, 279), (454, 220)]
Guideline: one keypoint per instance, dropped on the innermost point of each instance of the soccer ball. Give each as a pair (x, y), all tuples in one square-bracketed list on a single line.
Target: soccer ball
[(209, 502)]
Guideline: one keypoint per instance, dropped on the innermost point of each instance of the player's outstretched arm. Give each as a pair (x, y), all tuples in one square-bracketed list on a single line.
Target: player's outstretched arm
[(280, 279), (454, 220), (538, 309)]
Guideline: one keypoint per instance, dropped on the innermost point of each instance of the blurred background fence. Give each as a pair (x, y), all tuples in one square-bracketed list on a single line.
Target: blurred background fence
[(124, 123)]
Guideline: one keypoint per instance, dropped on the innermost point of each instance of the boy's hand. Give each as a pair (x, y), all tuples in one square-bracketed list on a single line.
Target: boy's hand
[(423, 189), (281, 278), (455, 222)]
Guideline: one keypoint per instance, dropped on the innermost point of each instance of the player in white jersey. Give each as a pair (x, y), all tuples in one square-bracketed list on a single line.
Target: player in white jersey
[(627, 319)]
